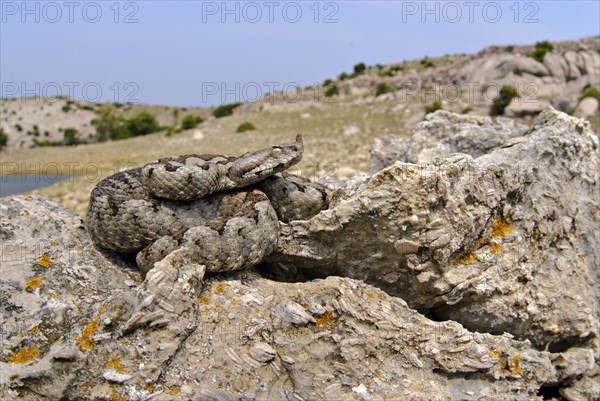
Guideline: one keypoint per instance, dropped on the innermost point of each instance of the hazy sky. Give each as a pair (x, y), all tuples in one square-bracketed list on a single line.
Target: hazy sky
[(193, 53)]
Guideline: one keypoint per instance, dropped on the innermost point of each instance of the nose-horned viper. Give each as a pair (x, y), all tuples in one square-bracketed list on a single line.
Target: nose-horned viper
[(224, 210)]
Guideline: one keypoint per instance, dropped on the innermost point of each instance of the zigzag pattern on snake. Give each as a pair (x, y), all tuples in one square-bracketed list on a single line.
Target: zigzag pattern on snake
[(224, 211)]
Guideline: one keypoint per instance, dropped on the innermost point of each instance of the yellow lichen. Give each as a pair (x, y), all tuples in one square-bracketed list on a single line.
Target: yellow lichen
[(495, 353), (219, 288), (501, 228), (52, 294), (204, 299), (174, 390), (34, 329), (326, 321), (45, 260), (24, 355), (115, 364), (370, 295), (495, 248), (34, 282), (467, 258), (54, 243), (25, 212), (86, 341), (515, 365), (117, 397), (150, 387)]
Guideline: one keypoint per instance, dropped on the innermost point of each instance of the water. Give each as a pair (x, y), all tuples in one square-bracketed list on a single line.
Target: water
[(16, 184)]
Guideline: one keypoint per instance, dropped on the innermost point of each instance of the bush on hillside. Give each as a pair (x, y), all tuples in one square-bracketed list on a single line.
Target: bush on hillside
[(247, 126), (225, 109), (190, 121), (383, 88), (507, 94), (430, 108), (541, 48)]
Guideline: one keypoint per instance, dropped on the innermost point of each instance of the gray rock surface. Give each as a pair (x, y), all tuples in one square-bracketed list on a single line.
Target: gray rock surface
[(587, 107), (442, 134), (504, 242), (468, 277)]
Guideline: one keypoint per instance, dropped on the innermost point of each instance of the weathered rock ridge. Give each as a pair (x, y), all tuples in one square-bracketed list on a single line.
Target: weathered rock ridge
[(470, 273)]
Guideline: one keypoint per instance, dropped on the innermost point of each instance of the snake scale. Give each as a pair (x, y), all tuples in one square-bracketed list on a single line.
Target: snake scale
[(225, 211)]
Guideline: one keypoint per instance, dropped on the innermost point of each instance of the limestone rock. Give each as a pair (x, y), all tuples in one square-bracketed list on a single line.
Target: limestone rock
[(587, 107), (472, 275), (493, 238), (442, 134)]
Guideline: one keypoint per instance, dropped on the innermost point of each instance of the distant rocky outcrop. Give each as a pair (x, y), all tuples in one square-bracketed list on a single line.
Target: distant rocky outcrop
[(466, 267), (473, 81)]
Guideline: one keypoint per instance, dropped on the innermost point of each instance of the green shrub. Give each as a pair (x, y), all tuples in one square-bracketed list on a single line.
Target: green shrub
[(332, 91), (190, 121), (343, 76), (466, 110), (359, 68), (327, 82), (507, 94), (379, 66), (398, 67), (386, 73), (427, 63), (142, 123), (107, 123), (70, 137), (591, 92), (225, 109), (571, 78), (541, 48), (34, 132), (3, 139), (430, 108), (18, 127), (382, 88), (245, 127)]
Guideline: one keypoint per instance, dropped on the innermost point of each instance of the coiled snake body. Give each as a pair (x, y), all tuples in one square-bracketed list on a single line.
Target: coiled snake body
[(224, 211)]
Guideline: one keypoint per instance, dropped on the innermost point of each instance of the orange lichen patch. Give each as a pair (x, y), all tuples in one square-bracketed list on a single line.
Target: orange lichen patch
[(54, 243), (467, 258), (117, 397), (495, 353), (34, 282), (150, 387), (370, 295), (24, 355), (482, 378), (495, 248), (174, 390), (204, 299), (326, 321), (45, 260), (86, 341), (34, 329), (22, 334), (501, 228), (115, 364), (25, 212), (515, 365), (219, 288), (52, 294)]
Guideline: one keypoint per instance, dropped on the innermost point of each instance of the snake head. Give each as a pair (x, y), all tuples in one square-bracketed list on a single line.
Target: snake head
[(256, 166)]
